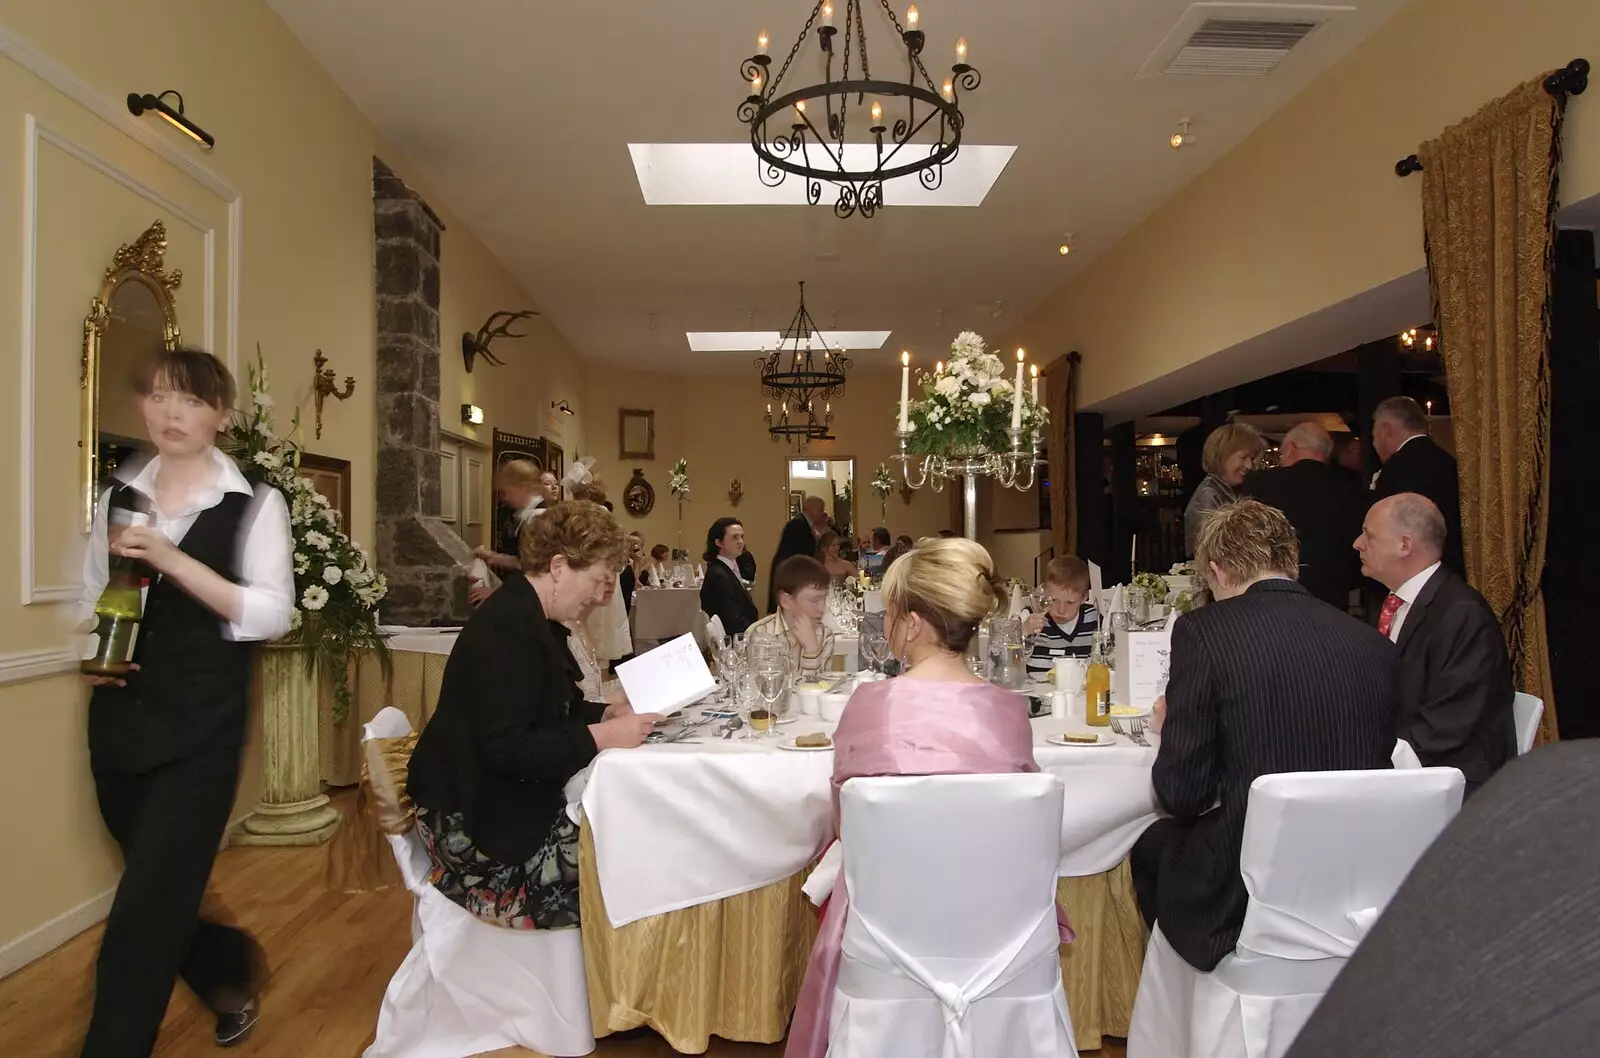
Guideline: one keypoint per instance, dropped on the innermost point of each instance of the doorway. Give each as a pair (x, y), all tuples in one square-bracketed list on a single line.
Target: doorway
[(464, 487), (833, 480)]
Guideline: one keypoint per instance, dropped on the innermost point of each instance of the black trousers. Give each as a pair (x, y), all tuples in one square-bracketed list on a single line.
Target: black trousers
[(1144, 863), (169, 822)]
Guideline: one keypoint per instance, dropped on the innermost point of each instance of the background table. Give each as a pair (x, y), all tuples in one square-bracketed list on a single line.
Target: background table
[(663, 613), (419, 656), (693, 854)]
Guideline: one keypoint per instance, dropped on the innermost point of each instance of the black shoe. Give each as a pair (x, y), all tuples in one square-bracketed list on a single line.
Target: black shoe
[(233, 1026)]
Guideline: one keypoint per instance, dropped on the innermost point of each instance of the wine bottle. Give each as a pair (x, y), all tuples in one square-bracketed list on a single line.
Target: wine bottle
[(109, 651)]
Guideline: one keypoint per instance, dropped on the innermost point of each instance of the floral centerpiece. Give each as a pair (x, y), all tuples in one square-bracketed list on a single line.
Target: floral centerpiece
[(965, 410), (336, 590), (678, 485), (882, 484)]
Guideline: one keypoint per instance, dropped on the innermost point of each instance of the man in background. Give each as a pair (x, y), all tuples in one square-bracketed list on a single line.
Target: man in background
[(799, 537), (1413, 463), (1323, 506), (1455, 676)]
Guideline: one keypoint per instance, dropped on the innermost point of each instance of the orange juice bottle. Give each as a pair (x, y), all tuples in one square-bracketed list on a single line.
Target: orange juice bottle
[(1097, 685)]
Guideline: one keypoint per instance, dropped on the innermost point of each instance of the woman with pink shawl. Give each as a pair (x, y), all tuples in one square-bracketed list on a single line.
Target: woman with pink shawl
[(936, 719)]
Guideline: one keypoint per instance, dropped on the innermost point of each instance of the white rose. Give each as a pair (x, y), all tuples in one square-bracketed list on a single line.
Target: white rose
[(948, 386), (315, 597), (978, 399), (332, 574)]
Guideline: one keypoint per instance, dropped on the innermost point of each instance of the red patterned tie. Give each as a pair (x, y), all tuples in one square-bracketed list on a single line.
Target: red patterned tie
[(1391, 606)]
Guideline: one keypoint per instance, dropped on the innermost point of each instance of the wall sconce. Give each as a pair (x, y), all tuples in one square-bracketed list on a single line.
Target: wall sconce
[(1066, 244), (322, 386), (139, 104), (563, 407), (471, 415)]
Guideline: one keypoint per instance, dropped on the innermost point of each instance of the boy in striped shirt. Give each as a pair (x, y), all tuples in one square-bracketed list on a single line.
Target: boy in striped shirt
[(1066, 628)]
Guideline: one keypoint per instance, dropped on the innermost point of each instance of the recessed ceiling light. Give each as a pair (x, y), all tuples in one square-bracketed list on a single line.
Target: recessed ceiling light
[(755, 341), (720, 174)]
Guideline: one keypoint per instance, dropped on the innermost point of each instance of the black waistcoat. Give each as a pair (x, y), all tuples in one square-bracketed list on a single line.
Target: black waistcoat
[(192, 690)]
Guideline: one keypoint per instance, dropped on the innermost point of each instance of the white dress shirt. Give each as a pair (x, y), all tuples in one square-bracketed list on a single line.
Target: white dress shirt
[(265, 563), (1408, 593), (732, 564)]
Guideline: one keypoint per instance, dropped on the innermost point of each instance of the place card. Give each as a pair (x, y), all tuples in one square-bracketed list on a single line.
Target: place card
[(666, 679)]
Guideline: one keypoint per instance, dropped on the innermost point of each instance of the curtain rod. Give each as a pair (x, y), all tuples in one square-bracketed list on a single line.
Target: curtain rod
[(1570, 80)]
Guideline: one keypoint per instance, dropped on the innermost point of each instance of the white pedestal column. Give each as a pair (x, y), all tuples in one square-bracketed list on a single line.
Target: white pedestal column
[(292, 809)]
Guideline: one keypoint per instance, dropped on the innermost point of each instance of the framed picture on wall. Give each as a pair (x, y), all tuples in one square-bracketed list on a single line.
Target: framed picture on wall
[(331, 477), (636, 433)]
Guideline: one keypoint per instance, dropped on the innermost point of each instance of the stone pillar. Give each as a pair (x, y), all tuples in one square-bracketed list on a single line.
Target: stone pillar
[(423, 559), (292, 810)]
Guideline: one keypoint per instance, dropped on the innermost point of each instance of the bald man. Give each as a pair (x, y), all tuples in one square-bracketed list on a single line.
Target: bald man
[(1456, 684), (1323, 505)]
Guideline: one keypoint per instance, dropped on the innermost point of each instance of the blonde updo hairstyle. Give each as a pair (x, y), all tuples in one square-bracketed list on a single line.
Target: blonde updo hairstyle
[(950, 583), (584, 532)]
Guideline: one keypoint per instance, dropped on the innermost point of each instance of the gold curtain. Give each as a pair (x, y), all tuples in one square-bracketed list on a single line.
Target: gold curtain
[(1488, 208), (1059, 395)]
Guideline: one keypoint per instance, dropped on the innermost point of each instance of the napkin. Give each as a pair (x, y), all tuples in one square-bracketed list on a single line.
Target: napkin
[(714, 631)]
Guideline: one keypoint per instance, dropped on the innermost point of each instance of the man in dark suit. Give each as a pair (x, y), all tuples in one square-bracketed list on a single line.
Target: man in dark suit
[(1456, 686), (1413, 463), (723, 593), (1323, 505), (1267, 679), (799, 537)]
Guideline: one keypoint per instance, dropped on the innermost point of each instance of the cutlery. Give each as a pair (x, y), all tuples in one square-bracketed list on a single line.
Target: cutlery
[(733, 725), (1137, 733)]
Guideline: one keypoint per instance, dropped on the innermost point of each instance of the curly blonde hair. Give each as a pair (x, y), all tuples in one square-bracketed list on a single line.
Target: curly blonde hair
[(1246, 540), (950, 582), (584, 532)]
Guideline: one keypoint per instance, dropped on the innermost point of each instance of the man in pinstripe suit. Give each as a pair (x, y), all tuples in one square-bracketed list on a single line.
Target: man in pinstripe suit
[(1267, 679)]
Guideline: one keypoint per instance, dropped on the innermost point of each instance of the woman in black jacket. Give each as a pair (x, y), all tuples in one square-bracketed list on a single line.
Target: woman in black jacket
[(511, 728)]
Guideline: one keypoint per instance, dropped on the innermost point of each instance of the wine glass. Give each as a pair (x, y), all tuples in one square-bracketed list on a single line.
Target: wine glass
[(772, 685), (874, 649)]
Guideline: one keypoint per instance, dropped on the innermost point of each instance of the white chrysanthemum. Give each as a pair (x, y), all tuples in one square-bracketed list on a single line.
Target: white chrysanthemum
[(301, 564), (317, 540), (978, 399), (294, 620), (270, 460), (332, 574), (948, 386), (315, 597), (967, 343)]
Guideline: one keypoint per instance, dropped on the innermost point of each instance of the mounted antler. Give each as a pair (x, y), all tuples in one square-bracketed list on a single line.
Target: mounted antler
[(496, 326)]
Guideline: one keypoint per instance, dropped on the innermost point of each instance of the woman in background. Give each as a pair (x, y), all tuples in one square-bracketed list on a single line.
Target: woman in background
[(828, 550), (1229, 455), (936, 719)]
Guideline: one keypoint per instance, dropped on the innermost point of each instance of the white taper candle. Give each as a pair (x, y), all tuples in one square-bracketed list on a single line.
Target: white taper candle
[(1016, 395), (905, 392)]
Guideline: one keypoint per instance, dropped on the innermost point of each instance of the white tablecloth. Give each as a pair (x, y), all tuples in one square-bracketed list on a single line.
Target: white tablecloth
[(683, 824), (423, 640)]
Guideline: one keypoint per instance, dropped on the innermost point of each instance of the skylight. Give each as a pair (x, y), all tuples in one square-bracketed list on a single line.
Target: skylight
[(725, 174), (756, 341)]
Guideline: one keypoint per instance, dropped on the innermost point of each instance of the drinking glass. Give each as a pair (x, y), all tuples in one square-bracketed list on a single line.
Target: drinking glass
[(772, 685)]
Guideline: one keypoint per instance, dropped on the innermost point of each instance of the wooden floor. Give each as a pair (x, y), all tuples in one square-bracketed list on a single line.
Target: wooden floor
[(331, 957)]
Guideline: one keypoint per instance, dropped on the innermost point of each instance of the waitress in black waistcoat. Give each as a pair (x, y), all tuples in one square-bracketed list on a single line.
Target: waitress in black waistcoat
[(165, 741)]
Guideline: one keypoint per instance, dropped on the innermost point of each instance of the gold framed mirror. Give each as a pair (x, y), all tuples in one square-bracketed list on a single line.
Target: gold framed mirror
[(130, 321)]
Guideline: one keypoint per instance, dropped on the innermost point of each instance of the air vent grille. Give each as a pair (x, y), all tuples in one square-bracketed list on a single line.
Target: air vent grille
[(1236, 39)]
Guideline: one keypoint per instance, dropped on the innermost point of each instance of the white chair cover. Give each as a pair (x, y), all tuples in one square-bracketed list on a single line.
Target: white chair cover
[(466, 986), (1526, 709), (1323, 854), (951, 945), (1404, 755)]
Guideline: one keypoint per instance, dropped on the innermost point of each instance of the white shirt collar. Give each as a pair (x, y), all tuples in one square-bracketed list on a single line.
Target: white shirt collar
[(732, 564), (1409, 591), (1408, 440), (229, 479)]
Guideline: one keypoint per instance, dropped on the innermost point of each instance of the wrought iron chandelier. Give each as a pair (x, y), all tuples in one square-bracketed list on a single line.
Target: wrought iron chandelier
[(798, 374), (784, 123)]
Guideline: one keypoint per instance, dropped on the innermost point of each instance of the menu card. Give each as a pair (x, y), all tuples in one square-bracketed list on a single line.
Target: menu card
[(666, 679)]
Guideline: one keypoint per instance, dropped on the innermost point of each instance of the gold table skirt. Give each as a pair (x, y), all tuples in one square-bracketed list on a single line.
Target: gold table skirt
[(414, 690), (733, 968)]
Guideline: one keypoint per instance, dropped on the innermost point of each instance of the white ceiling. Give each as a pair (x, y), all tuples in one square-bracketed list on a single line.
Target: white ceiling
[(519, 113)]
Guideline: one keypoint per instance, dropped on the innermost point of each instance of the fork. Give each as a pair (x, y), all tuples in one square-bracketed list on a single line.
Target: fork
[(1136, 732)]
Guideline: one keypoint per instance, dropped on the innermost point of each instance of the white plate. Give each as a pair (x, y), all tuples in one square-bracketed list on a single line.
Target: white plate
[(1104, 740), (1137, 712), (788, 743)]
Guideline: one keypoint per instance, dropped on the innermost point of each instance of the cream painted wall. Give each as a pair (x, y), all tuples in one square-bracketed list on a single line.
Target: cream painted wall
[(1307, 212), (298, 156), (719, 426)]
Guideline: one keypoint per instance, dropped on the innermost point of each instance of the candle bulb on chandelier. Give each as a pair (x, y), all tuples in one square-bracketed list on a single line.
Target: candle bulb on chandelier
[(877, 112), (827, 15), (1034, 370), (755, 84), (949, 90), (961, 50), (1016, 395), (913, 18), (905, 391), (761, 43)]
